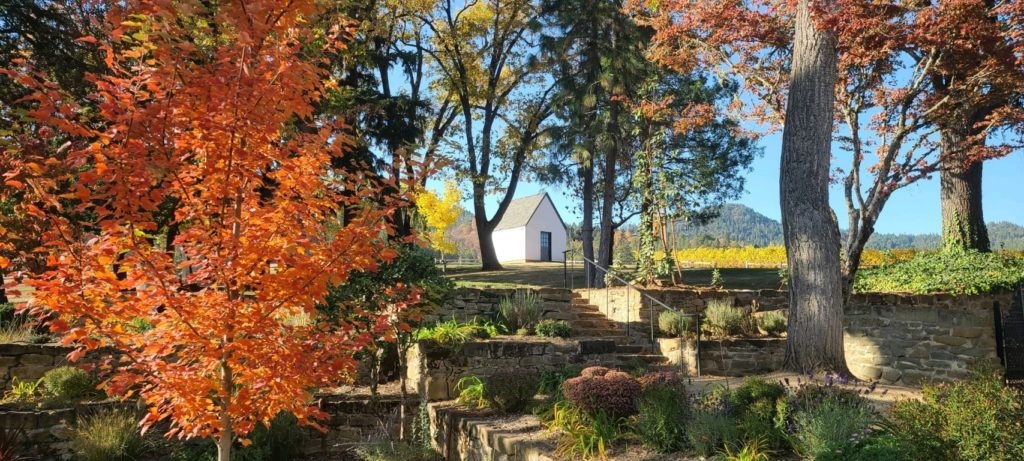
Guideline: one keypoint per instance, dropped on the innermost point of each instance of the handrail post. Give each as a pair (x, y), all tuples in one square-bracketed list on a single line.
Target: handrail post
[(698, 345), (607, 311), (628, 308), (651, 319), (565, 268)]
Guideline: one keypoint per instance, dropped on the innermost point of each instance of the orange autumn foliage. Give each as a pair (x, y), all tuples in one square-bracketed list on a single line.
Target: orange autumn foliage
[(199, 113)]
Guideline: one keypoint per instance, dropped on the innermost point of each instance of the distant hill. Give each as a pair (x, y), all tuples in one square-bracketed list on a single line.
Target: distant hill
[(739, 225), (735, 225)]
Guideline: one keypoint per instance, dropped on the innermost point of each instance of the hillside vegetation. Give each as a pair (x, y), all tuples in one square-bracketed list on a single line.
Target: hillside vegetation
[(738, 225)]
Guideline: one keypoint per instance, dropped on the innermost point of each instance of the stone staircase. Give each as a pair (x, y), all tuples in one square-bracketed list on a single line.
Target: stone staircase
[(595, 330)]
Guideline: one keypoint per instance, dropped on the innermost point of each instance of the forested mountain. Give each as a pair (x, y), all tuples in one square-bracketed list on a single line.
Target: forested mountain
[(735, 225), (738, 225)]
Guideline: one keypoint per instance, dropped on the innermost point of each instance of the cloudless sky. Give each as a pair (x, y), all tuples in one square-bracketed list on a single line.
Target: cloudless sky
[(913, 209)]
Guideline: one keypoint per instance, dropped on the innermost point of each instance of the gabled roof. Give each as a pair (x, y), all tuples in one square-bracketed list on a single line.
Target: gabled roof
[(522, 209)]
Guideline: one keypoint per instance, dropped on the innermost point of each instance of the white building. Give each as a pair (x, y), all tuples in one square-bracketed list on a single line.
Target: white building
[(531, 230)]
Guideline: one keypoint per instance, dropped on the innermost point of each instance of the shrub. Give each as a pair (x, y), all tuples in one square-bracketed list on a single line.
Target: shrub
[(281, 441), (510, 391), (723, 318), (111, 435), (523, 310), (754, 390), (471, 391), (22, 391), (7, 312), (709, 432), (192, 452), (663, 411), (660, 378), (772, 322), (69, 384), (954, 271), (452, 333), (595, 371), (396, 451), (675, 323), (878, 447), (755, 403), (584, 434), (11, 441), (553, 328), (812, 395), (602, 389), (832, 427), (550, 381), (16, 327), (716, 278), (976, 419), (750, 450)]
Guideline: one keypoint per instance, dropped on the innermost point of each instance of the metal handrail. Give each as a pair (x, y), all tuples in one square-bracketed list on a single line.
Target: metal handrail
[(652, 300)]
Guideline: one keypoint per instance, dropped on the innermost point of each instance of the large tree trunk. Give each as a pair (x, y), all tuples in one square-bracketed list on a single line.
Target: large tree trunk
[(809, 228), (963, 223), (488, 255), (604, 249), (587, 227)]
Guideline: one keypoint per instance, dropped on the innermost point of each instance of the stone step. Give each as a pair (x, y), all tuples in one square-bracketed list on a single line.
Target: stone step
[(590, 315), (634, 348), (595, 323), (648, 359), (619, 340), (597, 332), (587, 308)]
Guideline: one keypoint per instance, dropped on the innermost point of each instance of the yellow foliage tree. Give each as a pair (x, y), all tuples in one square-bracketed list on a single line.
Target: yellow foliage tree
[(439, 214)]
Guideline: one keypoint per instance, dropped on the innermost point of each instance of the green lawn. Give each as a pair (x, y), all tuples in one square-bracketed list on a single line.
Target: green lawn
[(555, 275)]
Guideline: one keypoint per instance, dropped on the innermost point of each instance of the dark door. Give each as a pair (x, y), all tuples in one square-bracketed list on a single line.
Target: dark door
[(545, 246)]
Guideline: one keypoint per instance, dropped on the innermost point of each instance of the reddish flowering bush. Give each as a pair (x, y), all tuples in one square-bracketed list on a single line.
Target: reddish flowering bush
[(592, 372), (663, 378), (600, 388)]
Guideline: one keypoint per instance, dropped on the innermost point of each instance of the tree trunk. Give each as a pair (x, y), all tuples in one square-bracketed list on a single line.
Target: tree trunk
[(963, 223), (227, 434), (587, 227), (856, 240), (604, 249), (809, 228), (402, 344), (3, 291), (488, 255), (645, 183)]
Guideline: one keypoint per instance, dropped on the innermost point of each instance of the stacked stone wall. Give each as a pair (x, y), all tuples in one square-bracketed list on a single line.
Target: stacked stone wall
[(916, 339), (481, 304), (437, 369), (29, 362)]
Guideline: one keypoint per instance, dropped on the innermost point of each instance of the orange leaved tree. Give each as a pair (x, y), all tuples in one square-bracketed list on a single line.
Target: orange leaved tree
[(213, 218)]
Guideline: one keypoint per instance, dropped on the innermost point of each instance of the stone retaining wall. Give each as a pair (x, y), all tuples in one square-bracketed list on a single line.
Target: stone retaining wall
[(915, 339), (472, 435), (725, 357), (437, 369), (355, 421), (47, 433), (351, 421), (474, 303), (906, 339), (29, 362)]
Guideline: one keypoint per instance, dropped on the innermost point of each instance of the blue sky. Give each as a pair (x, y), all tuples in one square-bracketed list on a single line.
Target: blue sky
[(913, 209)]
